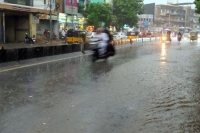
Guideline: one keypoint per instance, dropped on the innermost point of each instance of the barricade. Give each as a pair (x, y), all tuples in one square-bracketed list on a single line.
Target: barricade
[(115, 43), (76, 47), (39, 52), (31, 53), (119, 42), (47, 51), (57, 50), (21, 54), (2, 55)]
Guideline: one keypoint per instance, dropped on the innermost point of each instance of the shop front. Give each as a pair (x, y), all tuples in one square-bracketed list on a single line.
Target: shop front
[(90, 28), (81, 21), (16, 21), (62, 21), (44, 23)]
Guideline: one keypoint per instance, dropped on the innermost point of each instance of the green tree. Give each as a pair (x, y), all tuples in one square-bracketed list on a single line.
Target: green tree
[(96, 13), (197, 7), (80, 8), (126, 12)]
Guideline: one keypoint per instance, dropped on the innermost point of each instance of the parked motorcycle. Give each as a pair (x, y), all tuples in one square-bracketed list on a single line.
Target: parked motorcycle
[(28, 39)]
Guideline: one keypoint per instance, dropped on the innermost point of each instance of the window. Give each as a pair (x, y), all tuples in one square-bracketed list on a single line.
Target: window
[(44, 1), (20, 2)]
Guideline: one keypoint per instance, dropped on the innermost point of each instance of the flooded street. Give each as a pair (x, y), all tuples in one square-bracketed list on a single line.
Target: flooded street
[(153, 88)]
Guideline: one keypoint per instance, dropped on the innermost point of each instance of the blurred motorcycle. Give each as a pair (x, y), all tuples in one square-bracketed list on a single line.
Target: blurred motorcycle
[(179, 38), (95, 48), (28, 39)]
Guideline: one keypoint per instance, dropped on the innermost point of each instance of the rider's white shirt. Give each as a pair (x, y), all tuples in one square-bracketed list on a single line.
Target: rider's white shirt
[(103, 37)]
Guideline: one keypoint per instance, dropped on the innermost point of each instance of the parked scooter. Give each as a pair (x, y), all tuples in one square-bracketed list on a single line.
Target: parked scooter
[(28, 39)]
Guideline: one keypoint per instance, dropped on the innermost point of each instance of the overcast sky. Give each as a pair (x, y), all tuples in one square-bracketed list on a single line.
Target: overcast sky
[(165, 1)]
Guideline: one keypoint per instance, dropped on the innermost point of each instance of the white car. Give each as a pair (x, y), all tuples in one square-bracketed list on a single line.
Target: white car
[(91, 35), (119, 36)]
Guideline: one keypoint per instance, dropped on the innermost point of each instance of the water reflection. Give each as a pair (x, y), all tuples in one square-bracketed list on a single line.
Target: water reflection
[(163, 54)]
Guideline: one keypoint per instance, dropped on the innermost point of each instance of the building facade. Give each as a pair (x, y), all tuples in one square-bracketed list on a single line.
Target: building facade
[(145, 21), (18, 17), (172, 16), (193, 19), (149, 9)]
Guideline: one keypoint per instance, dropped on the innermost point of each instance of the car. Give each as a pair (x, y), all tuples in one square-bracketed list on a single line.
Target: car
[(186, 36), (91, 35), (119, 36)]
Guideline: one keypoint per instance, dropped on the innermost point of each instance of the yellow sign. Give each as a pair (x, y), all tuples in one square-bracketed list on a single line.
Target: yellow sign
[(1, 47)]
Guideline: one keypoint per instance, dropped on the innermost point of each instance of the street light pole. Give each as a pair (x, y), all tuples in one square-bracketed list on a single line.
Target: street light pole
[(72, 15)]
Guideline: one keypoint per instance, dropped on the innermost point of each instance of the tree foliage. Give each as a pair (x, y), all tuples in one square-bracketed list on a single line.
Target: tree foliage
[(80, 8), (96, 13), (197, 7), (126, 11)]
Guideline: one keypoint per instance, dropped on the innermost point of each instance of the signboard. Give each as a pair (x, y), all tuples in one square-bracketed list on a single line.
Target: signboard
[(45, 16), (146, 24), (21, 8), (71, 6), (36, 20), (62, 17)]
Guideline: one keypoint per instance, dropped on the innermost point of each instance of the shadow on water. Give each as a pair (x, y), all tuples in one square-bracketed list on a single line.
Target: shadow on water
[(100, 68)]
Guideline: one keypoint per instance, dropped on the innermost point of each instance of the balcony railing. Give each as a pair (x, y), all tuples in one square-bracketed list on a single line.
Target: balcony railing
[(20, 2)]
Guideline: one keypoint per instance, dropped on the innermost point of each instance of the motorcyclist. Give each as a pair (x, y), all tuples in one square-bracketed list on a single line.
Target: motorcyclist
[(103, 41), (179, 35), (110, 48)]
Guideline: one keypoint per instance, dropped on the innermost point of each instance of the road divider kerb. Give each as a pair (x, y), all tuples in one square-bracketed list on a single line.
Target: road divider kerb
[(7, 66)]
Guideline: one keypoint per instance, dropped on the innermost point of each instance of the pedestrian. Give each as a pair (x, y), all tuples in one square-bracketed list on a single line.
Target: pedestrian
[(45, 32), (63, 33), (66, 32)]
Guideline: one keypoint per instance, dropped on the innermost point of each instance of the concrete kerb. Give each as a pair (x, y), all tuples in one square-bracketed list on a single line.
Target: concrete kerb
[(41, 59), (28, 61), (47, 59), (9, 64)]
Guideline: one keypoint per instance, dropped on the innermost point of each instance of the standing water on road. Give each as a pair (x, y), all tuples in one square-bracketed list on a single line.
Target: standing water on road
[(148, 89)]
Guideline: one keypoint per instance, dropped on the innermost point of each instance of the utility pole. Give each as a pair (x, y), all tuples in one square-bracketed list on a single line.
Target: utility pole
[(72, 14), (57, 11), (50, 5)]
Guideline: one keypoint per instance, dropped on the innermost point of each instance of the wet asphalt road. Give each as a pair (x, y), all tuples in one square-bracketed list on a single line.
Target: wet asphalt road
[(153, 88)]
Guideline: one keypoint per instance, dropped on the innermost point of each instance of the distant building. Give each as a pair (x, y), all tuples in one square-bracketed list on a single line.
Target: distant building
[(149, 9), (145, 21)]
